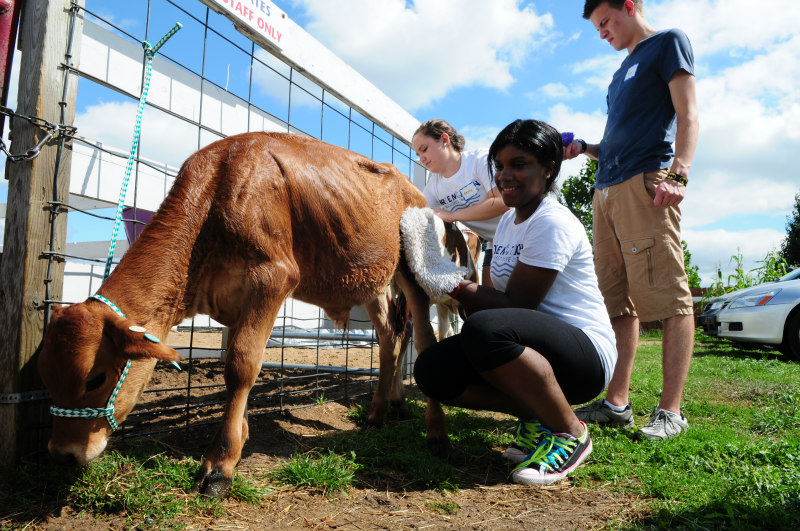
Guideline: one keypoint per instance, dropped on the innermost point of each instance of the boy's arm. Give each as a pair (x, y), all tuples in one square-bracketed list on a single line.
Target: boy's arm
[(682, 91)]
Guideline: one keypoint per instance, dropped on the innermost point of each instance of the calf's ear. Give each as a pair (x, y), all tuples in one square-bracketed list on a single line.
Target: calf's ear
[(136, 343)]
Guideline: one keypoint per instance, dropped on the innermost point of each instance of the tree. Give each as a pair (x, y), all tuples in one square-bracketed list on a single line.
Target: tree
[(576, 195), (692, 271), (790, 249)]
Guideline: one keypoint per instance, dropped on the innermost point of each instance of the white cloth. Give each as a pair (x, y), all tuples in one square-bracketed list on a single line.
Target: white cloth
[(433, 268), (468, 186), (553, 238)]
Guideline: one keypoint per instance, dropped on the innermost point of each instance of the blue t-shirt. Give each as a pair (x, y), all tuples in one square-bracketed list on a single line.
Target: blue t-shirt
[(641, 121)]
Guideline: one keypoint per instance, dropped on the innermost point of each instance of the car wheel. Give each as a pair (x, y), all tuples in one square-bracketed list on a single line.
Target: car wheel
[(791, 337)]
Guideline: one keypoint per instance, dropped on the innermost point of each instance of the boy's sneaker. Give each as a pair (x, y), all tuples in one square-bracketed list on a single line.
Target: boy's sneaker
[(599, 413), (527, 435), (557, 455), (663, 425)]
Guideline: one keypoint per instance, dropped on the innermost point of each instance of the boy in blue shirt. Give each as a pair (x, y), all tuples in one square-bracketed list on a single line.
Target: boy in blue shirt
[(640, 182)]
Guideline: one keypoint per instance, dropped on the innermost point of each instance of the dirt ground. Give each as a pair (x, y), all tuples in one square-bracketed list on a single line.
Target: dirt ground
[(487, 501)]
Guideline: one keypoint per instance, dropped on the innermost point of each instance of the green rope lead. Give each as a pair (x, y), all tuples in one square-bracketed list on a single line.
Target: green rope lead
[(150, 52), (108, 411)]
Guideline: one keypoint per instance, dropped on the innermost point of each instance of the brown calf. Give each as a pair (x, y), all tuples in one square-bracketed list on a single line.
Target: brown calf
[(251, 220)]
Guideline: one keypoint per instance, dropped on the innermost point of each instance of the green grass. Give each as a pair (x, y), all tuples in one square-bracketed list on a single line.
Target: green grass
[(738, 467), (329, 472), (145, 487), (442, 507)]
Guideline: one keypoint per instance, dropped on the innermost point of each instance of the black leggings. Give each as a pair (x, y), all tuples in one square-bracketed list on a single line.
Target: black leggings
[(491, 338)]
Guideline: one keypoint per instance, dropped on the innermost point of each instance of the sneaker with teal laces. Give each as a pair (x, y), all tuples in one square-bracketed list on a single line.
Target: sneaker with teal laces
[(556, 456), (527, 435)]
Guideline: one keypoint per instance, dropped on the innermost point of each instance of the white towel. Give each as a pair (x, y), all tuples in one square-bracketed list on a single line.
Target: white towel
[(435, 271)]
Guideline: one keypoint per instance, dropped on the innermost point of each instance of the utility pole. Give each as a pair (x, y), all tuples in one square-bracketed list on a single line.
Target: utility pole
[(49, 38)]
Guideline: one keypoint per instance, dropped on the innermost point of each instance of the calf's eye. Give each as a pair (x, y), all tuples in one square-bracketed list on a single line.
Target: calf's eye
[(96, 382)]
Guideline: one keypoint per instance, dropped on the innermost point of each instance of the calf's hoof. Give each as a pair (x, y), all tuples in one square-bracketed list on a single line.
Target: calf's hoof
[(371, 423), (439, 446), (398, 409), (211, 483)]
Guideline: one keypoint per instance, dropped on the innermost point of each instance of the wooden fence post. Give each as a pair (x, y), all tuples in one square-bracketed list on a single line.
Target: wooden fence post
[(44, 39)]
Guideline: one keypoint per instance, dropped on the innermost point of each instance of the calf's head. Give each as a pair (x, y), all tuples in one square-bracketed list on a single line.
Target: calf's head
[(84, 359)]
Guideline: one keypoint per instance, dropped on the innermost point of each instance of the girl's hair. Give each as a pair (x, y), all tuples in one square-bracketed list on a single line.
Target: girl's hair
[(436, 128), (537, 138)]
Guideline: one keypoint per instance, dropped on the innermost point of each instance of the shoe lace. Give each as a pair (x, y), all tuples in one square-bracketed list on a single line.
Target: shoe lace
[(658, 418), (550, 453), (527, 433), (594, 408), (598, 405)]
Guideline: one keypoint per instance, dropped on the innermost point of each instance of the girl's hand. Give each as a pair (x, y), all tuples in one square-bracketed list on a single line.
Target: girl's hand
[(445, 215)]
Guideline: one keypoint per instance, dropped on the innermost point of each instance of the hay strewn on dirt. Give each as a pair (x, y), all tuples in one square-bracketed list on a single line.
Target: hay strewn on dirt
[(486, 499)]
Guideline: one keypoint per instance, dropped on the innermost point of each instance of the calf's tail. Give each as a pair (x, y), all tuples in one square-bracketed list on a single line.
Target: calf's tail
[(399, 313)]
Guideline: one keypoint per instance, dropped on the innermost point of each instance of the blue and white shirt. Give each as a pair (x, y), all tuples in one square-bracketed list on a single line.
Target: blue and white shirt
[(553, 238), (468, 186)]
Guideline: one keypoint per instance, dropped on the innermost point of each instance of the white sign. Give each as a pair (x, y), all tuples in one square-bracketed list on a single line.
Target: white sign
[(261, 16), (294, 46)]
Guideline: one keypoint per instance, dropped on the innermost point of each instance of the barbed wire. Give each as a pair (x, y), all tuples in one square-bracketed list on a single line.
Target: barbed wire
[(51, 131)]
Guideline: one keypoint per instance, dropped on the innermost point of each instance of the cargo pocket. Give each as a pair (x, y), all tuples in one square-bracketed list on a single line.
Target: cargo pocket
[(639, 256)]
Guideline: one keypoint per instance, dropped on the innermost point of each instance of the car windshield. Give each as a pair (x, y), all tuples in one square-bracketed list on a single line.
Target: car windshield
[(790, 276)]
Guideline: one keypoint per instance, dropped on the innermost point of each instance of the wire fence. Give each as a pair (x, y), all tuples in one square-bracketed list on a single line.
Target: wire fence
[(209, 83)]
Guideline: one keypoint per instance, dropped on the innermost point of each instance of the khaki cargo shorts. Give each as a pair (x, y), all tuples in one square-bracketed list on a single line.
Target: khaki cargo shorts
[(638, 255)]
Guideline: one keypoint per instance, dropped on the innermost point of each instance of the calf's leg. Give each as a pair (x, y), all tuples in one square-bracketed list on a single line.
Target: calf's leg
[(445, 326), (419, 302), (381, 313), (246, 344)]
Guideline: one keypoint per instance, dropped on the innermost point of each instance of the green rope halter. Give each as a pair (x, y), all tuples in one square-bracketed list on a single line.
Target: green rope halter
[(95, 412)]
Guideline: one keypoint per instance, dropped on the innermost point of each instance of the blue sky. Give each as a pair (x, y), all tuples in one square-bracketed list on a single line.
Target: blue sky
[(481, 64)]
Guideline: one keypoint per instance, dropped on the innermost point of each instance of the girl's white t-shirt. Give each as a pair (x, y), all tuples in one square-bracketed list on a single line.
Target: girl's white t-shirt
[(553, 238), (468, 186)]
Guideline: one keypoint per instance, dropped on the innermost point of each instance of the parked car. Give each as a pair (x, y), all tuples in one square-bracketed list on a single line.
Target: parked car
[(765, 314), (707, 320)]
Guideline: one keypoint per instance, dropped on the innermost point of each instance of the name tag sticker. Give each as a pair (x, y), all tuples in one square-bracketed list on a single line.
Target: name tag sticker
[(469, 191), (631, 72)]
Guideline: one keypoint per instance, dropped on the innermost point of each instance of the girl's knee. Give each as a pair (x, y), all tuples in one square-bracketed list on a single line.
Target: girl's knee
[(440, 374)]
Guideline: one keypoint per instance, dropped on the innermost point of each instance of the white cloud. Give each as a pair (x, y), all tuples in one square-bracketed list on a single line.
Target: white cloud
[(717, 196), (727, 25), (479, 136), (747, 77), (583, 125), (557, 92), (715, 248), (164, 138), (418, 53), (596, 72), (748, 127), (588, 126)]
